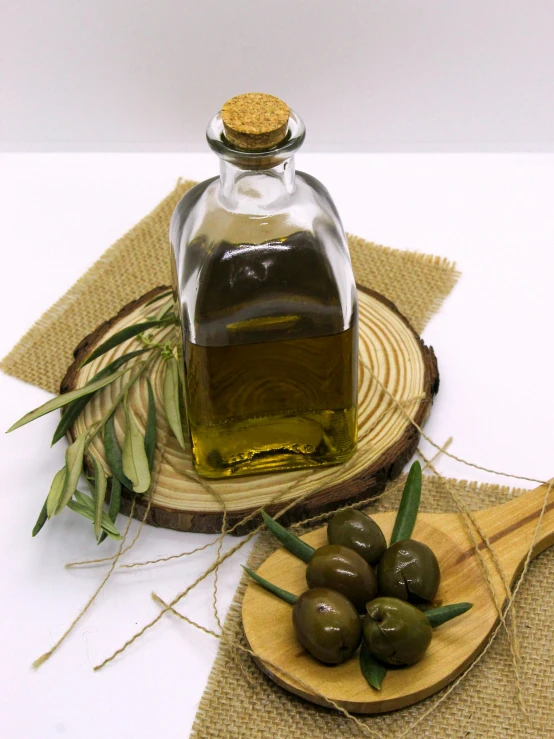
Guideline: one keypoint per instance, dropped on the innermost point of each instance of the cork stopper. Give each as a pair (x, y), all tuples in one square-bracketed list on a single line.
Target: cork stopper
[(255, 121)]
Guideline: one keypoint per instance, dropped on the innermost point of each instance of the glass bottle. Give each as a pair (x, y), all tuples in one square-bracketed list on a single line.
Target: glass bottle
[(267, 299)]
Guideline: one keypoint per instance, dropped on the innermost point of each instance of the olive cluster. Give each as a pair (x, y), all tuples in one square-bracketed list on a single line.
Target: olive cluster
[(357, 574), (363, 592)]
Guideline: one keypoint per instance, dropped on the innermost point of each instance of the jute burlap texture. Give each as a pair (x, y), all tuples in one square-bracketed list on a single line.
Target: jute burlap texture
[(139, 261), (240, 702)]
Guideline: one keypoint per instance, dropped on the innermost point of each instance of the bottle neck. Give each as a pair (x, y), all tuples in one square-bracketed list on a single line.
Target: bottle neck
[(256, 190)]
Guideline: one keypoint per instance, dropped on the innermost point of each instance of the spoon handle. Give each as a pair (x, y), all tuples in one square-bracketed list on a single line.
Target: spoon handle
[(510, 527)]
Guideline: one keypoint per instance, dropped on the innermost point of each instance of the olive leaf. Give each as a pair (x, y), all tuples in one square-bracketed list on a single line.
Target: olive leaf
[(115, 504), (409, 505), (279, 592), (135, 461), (65, 398), (74, 465), (84, 500), (85, 507), (115, 500), (293, 543), (162, 313), (74, 409), (41, 520), (126, 333), (439, 616), (70, 415), (171, 396), (158, 297), (150, 431), (100, 486), (113, 453), (56, 490), (373, 670), (119, 362)]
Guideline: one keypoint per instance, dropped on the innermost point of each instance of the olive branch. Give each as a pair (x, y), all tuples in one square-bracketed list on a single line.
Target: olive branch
[(130, 466)]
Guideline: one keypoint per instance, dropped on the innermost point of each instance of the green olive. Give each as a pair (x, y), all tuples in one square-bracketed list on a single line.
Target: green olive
[(341, 569), (396, 632), (327, 625), (410, 571), (355, 530)]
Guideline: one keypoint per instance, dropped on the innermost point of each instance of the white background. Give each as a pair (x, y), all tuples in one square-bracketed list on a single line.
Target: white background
[(367, 75)]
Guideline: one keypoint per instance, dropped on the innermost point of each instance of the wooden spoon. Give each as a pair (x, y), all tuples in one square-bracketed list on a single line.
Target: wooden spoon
[(509, 528)]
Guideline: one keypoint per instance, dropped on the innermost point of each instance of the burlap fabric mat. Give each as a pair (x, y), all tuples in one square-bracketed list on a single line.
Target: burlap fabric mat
[(247, 704)]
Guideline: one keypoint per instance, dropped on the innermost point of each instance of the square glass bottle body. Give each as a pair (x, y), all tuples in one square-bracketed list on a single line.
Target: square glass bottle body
[(266, 295)]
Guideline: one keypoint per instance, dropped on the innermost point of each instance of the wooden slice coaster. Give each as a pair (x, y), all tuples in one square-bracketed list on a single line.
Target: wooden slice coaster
[(184, 501)]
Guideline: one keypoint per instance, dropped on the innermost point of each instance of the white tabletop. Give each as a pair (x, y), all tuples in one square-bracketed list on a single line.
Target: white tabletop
[(491, 213)]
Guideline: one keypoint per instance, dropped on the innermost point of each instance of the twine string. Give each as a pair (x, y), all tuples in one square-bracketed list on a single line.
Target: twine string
[(219, 559), (501, 623), (388, 491), (46, 656), (423, 435), (276, 667), (466, 516), (121, 550)]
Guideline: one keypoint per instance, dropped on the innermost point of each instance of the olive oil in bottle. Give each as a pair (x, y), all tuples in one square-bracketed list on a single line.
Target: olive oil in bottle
[(264, 285), (271, 405)]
